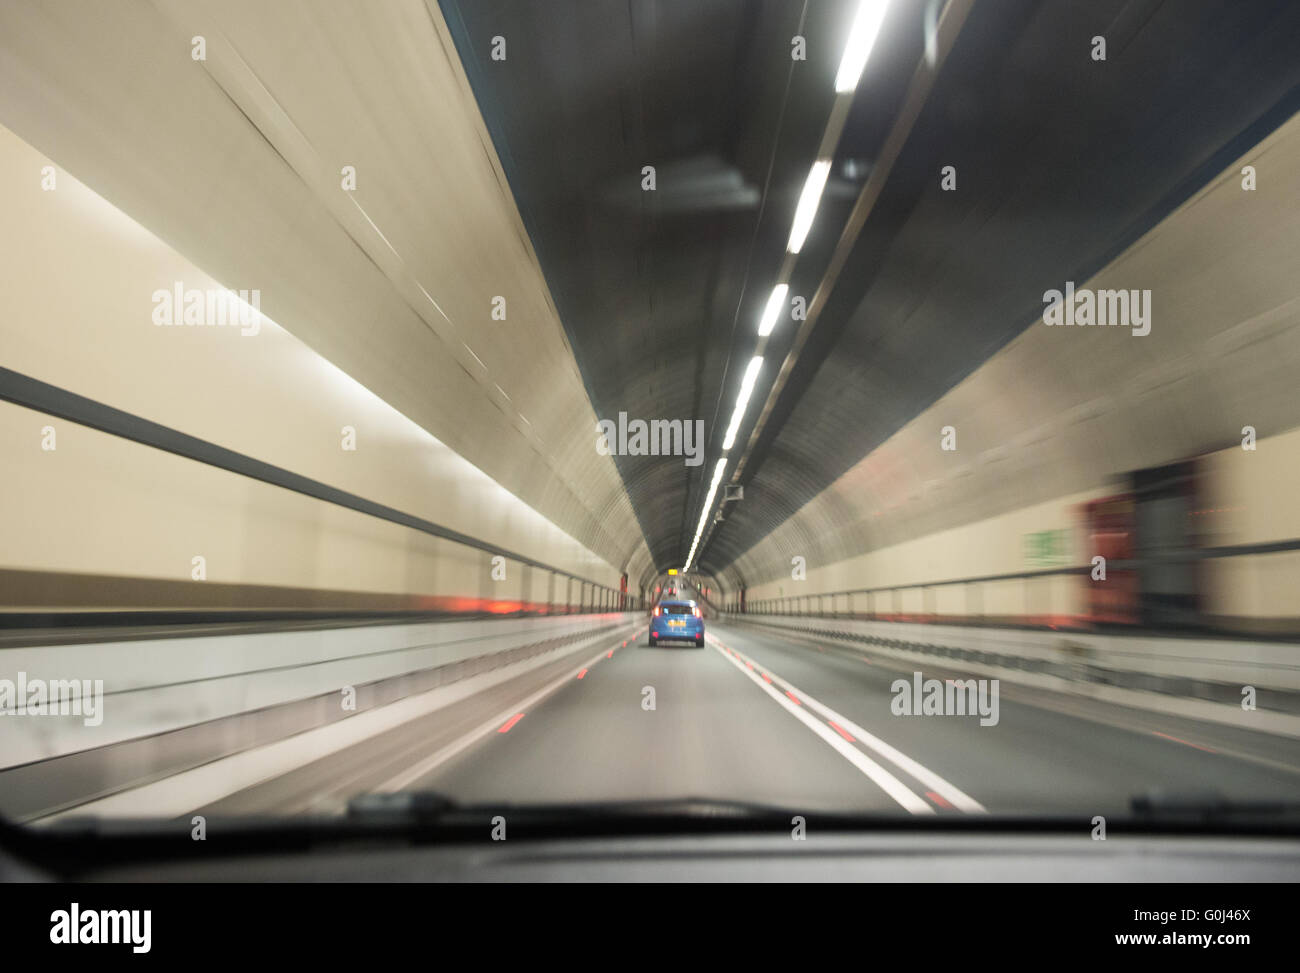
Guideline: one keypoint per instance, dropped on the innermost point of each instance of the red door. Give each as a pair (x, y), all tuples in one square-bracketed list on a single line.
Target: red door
[(1110, 529)]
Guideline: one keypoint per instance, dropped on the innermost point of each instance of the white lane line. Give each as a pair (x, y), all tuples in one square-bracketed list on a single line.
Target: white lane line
[(882, 778), (430, 763), (954, 795)]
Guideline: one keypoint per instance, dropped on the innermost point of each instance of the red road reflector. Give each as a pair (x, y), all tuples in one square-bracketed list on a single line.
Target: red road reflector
[(609, 654), (793, 696), (939, 799), (505, 727), (1186, 743), (767, 678), (583, 673), (841, 731)]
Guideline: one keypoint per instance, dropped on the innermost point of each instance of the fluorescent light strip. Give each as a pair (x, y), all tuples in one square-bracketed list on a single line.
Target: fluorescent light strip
[(742, 400), (806, 211), (708, 508), (773, 310), (862, 37)]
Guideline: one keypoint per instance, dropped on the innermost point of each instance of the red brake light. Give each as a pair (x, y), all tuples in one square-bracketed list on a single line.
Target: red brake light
[(697, 612), (657, 609)]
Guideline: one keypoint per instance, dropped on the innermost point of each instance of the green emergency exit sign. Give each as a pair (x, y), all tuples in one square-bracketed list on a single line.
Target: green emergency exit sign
[(1047, 548)]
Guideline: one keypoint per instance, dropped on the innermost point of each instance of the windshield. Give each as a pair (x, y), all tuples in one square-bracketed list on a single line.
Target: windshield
[(360, 407)]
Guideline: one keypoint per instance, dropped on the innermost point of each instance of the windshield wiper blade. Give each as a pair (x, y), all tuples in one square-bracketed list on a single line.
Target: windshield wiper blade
[(401, 807), (1206, 805), (668, 807), (427, 807)]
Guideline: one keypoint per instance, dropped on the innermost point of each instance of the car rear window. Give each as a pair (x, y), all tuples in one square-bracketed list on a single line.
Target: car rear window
[(677, 609)]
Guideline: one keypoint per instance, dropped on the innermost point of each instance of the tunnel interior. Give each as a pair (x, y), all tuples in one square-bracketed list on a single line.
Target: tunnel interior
[(373, 375)]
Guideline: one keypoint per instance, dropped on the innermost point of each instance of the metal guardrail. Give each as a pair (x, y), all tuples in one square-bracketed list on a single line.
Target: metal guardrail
[(65, 779), (1128, 564), (1081, 666)]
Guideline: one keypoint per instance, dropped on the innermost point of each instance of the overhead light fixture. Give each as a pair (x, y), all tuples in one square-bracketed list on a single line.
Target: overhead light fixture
[(806, 211), (773, 310), (704, 514), (867, 21), (742, 400), (862, 37)]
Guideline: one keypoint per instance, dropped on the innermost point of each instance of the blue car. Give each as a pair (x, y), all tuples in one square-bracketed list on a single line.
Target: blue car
[(677, 621)]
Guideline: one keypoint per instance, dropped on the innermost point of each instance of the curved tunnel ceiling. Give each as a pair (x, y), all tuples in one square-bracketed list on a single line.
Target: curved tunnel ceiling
[(1057, 173), (1059, 169), (1067, 413), (656, 288)]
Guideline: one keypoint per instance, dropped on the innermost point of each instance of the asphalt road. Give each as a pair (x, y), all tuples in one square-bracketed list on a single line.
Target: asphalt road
[(720, 729), (763, 716)]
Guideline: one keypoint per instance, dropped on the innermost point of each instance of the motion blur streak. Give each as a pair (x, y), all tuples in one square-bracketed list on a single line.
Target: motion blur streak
[(366, 542)]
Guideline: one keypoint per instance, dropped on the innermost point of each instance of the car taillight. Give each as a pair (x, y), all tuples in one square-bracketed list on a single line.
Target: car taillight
[(696, 611), (657, 609)]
